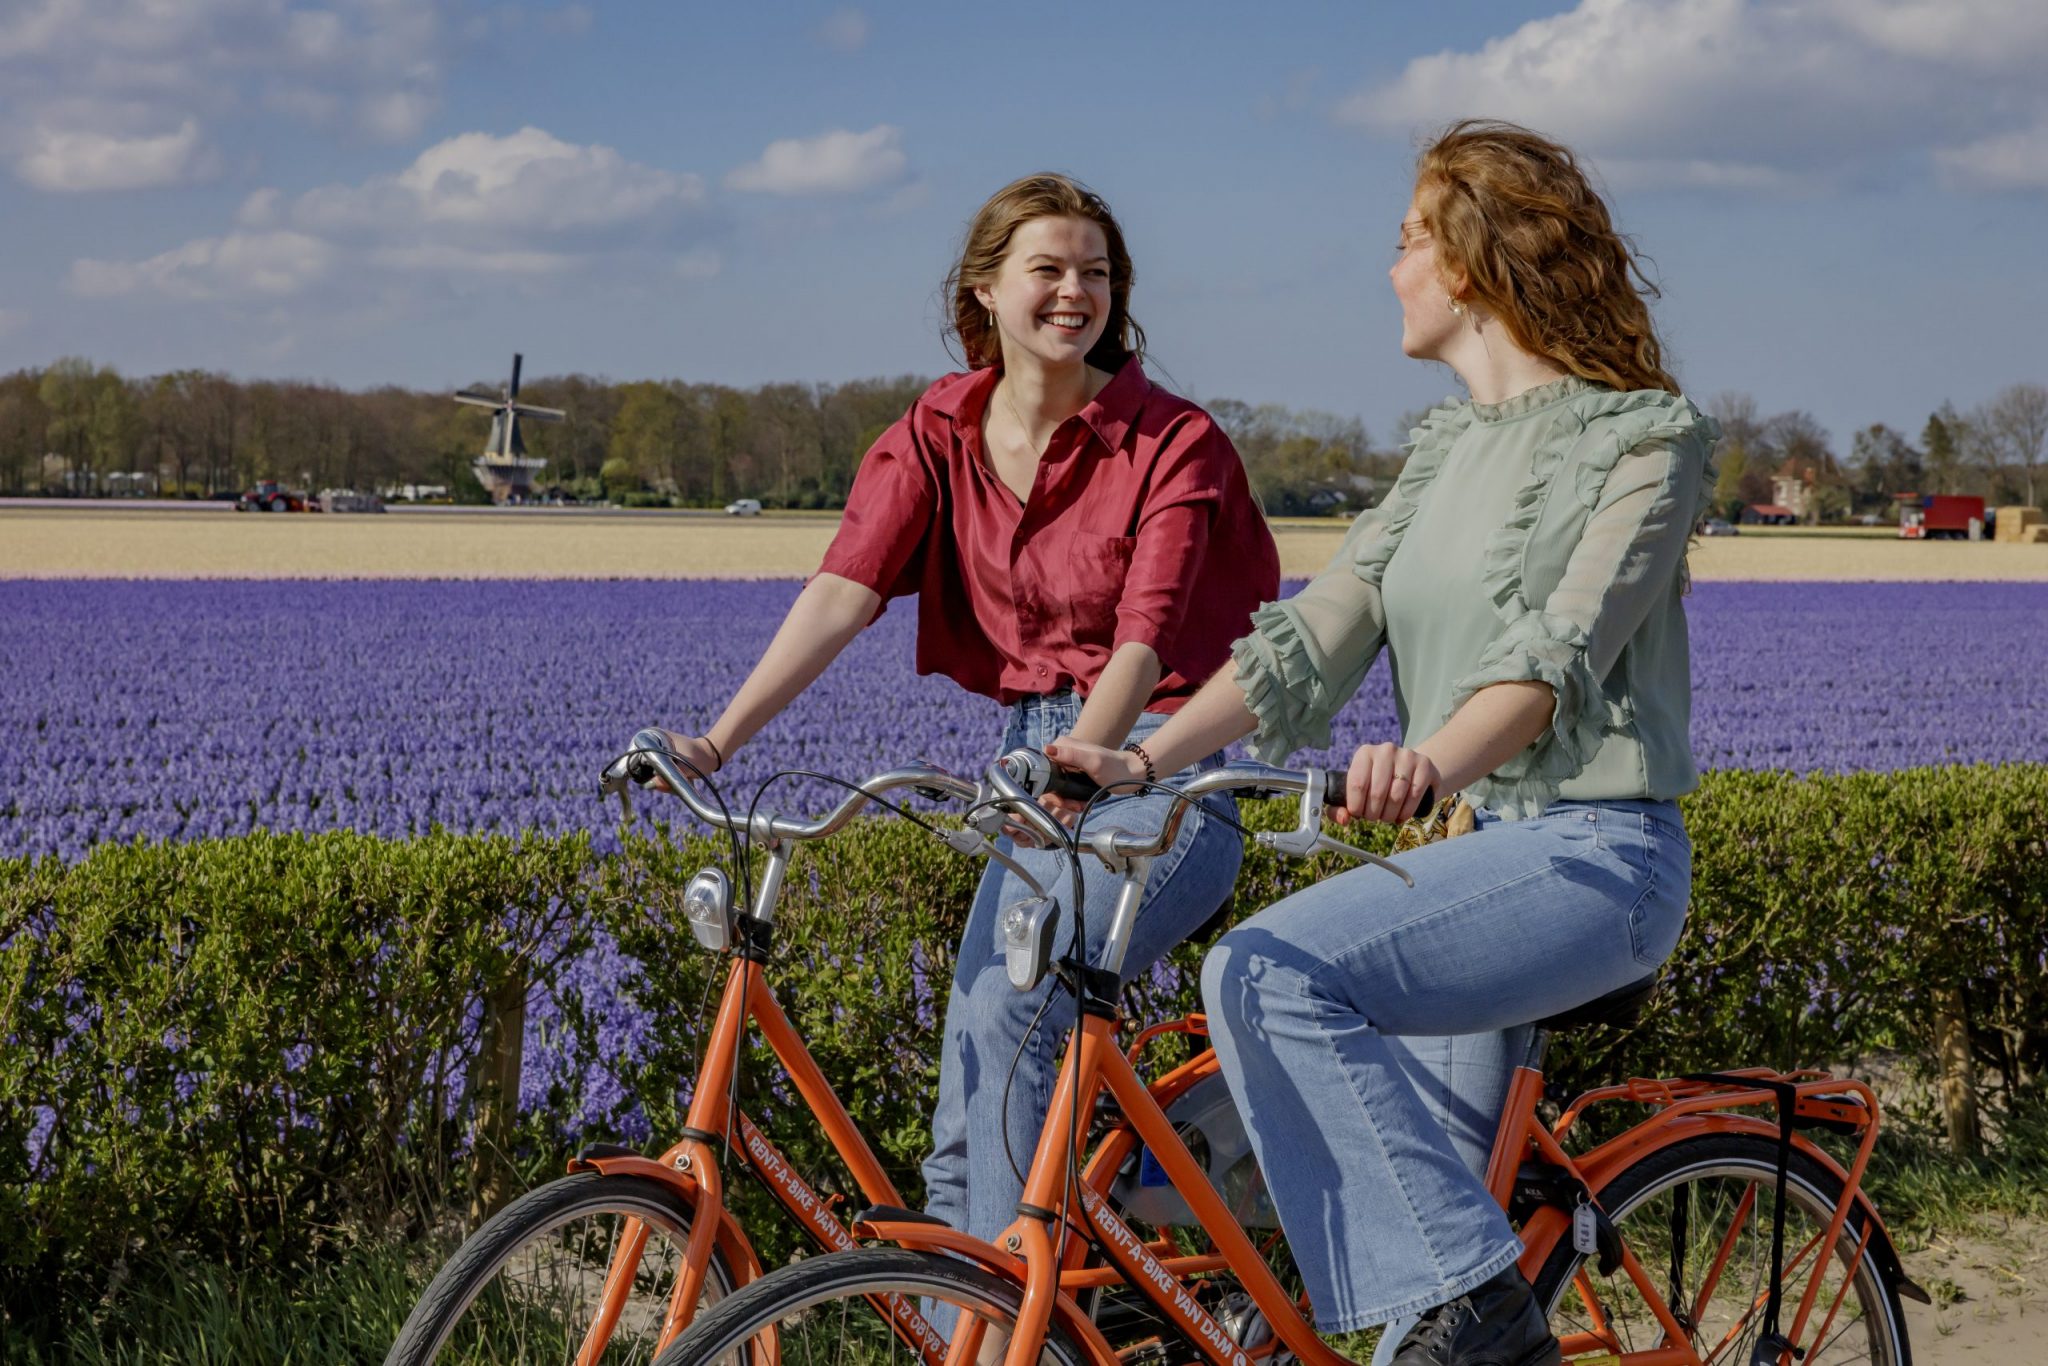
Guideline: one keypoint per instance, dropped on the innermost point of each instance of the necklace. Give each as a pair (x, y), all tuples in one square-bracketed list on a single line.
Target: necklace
[(1023, 428)]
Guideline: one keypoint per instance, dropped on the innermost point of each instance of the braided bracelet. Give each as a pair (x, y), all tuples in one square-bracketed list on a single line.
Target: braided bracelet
[(1138, 748), (715, 751)]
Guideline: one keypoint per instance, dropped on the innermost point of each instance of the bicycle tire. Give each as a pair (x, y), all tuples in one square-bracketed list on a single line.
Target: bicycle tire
[(783, 1299), (1712, 1163), (457, 1320)]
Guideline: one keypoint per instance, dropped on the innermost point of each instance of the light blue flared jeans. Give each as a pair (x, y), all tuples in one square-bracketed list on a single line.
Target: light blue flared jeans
[(969, 1181), (1368, 1031)]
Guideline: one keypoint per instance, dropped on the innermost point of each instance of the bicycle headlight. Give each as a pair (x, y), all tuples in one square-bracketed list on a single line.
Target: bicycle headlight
[(707, 905), (1026, 929)]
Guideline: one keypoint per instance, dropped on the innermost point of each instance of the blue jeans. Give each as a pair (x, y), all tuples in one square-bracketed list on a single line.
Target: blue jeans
[(1368, 1030), (968, 1178)]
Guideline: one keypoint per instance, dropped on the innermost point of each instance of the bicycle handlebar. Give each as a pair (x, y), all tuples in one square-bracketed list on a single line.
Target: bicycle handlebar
[(649, 758), (1030, 774)]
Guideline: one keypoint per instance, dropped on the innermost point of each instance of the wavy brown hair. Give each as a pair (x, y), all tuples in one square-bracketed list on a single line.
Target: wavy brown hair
[(1515, 215), (1045, 195)]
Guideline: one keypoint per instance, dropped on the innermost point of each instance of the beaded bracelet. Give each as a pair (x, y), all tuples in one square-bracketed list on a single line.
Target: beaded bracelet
[(1137, 747)]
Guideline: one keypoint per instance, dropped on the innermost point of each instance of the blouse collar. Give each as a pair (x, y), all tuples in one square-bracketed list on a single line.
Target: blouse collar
[(1533, 400), (963, 397)]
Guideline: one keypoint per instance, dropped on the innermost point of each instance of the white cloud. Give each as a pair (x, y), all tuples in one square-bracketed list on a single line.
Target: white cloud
[(843, 30), (259, 210), (1751, 94), (838, 162), (524, 185), (74, 160), (439, 259), (395, 115), (2009, 161), (124, 71), (238, 265), (523, 205)]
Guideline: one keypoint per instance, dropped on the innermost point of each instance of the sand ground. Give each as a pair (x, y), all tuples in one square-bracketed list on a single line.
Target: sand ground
[(1989, 1303), (102, 540)]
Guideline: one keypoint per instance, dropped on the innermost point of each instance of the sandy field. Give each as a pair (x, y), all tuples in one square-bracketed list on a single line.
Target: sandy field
[(103, 540), (1987, 1288)]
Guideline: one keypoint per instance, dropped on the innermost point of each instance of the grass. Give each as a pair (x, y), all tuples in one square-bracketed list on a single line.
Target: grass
[(202, 1314)]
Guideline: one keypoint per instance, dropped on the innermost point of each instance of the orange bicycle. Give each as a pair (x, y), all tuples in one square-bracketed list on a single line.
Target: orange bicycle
[(1714, 1230), (610, 1263)]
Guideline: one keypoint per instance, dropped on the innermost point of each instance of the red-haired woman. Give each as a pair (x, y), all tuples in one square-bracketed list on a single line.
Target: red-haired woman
[(1055, 512), (1524, 577)]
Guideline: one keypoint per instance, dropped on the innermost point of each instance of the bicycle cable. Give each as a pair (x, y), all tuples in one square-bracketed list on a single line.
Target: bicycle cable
[(739, 857), (753, 810)]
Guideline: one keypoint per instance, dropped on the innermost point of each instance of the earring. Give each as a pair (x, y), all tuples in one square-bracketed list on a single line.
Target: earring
[(1456, 307)]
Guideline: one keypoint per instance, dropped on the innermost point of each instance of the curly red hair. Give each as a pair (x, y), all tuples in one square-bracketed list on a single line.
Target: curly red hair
[(1521, 232)]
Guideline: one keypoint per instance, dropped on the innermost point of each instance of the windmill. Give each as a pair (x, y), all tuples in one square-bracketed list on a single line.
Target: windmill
[(505, 469)]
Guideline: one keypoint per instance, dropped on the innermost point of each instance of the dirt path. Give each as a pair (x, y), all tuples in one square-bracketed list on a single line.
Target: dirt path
[(1990, 1293), (112, 540)]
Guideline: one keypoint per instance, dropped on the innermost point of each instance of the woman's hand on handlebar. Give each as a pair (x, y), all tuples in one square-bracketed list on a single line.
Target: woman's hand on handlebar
[(1105, 766), (1385, 784), (692, 749)]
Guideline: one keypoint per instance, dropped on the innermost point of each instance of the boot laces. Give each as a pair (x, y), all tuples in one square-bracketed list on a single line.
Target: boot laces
[(1441, 1324)]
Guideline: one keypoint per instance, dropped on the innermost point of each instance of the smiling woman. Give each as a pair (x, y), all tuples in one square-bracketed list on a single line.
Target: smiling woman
[(1055, 512)]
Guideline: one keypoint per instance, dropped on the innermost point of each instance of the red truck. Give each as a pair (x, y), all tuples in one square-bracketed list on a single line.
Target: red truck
[(1939, 516)]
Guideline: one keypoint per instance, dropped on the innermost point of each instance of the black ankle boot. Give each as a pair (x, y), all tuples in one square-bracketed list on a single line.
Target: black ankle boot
[(1495, 1324)]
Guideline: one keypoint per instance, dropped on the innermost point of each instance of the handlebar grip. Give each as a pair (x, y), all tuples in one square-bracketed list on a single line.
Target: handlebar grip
[(1072, 784), (1333, 792)]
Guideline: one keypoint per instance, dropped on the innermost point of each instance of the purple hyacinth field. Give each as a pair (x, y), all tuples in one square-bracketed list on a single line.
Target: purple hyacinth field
[(179, 710)]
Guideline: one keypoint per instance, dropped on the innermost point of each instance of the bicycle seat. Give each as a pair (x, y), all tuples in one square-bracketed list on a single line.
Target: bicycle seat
[(1618, 1008)]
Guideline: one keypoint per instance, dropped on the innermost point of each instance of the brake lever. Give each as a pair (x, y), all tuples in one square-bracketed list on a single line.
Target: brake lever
[(974, 843), (617, 782), (1307, 837), (1304, 843)]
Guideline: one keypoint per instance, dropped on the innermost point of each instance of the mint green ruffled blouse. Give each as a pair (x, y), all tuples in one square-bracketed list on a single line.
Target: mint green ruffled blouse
[(1541, 539)]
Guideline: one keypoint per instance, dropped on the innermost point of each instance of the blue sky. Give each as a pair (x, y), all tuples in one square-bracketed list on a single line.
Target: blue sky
[(1846, 200)]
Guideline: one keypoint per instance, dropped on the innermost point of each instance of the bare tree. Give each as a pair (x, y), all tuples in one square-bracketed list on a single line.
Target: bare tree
[(2016, 424)]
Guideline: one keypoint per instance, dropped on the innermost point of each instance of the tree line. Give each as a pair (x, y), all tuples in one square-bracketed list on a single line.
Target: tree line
[(86, 430), (76, 428), (1994, 450)]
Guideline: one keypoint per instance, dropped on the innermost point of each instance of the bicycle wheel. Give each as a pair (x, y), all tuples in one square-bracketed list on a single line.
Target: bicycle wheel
[(827, 1311), (528, 1285), (1716, 1191)]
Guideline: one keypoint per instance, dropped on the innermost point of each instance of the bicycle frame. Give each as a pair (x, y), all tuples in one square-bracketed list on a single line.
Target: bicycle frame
[(691, 1165), (1684, 1110)]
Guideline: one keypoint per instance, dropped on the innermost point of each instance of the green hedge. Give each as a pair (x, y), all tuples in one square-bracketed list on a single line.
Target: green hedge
[(254, 1050)]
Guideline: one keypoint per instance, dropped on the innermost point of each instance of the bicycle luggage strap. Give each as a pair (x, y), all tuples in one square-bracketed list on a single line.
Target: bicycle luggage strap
[(1771, 1347)]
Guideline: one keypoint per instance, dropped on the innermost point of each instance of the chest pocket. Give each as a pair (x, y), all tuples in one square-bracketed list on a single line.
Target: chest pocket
[(1094, 576)]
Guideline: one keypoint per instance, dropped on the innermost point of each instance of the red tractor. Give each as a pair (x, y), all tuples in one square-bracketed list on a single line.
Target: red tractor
[(271, 496)]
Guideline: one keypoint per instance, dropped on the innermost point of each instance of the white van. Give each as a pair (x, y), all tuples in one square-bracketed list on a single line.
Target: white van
[(743, 507)]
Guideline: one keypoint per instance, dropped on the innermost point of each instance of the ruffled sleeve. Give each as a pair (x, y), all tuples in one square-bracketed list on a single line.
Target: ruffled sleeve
[(1307, 655), (1639, 461)]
